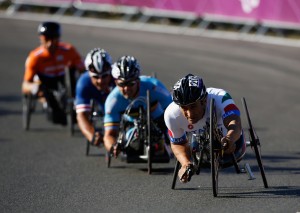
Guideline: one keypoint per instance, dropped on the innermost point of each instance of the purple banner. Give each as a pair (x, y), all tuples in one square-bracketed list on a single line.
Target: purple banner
[(258, 10)]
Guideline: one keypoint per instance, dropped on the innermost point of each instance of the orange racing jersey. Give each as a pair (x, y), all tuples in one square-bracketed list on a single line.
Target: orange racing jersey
[(40, 61)]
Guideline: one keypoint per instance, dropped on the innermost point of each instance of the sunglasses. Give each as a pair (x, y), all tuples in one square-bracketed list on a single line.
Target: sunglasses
[(126, 84)]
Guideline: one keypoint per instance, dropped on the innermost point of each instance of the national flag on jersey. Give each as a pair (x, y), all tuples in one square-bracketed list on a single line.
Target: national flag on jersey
[(231, 109)]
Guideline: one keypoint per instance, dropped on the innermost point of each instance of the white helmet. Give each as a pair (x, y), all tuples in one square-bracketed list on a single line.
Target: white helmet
[(98, 61)]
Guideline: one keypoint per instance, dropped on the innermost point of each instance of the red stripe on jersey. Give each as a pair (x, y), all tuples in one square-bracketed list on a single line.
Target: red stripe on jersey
[(230, 107), (170, 133)]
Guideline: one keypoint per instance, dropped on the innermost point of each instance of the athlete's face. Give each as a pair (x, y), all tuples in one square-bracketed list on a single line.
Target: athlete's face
[(101, 82), (49, 43), (129, 89), (194, 112)]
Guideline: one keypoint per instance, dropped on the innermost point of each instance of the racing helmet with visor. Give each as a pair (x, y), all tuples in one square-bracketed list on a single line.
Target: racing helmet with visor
[(50, 29), (98, 62), (126, 68), (188, 90)]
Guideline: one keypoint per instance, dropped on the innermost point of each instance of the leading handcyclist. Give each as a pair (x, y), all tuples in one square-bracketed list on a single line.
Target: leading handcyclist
[(189, 112), (48, 62), (129, 86)]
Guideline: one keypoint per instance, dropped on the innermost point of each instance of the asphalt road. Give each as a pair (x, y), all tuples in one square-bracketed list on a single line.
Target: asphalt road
[(46, 170)]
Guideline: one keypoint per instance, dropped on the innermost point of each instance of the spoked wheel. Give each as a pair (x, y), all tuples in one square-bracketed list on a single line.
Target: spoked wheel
[(175, 174), (26, 110), (71, 116), (87, 151), (255, 143), (108, 156), (149, 148), (214, 148), (70, 105)]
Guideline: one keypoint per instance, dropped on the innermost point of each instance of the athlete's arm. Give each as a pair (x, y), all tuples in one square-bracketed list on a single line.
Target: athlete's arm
[(85, 125), (234, 130), (110, 138), (181, 152), (28, 84)]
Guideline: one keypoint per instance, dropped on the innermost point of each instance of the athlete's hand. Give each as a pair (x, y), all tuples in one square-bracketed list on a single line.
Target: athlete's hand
[(184, 174), (115, 150), (229, 145), (97, 139)]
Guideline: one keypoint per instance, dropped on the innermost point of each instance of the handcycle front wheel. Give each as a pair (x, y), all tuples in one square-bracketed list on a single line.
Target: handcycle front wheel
[(214, 148), (255, 143), (175, 174), (108, 156)]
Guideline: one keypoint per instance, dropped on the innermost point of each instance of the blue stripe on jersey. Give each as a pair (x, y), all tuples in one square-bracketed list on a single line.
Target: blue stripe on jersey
[(179, 141), (231, 112)]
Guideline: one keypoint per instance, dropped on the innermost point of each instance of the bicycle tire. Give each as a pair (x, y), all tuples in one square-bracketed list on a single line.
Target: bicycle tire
[(149, 148), (70, 107), (71, 118), (255, 143), (108, 159), (26, 111), (214, 157), (175, 174)]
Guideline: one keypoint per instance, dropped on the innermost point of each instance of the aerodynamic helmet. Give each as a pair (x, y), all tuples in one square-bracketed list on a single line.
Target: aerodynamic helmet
[(98, 61), (126, 68), (188, 90), (50, 29)]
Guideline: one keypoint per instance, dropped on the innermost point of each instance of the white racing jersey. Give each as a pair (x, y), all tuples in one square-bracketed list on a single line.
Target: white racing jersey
[(178, 125)]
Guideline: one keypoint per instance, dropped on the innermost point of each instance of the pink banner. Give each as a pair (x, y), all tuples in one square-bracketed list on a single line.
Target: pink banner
[(258, 10)]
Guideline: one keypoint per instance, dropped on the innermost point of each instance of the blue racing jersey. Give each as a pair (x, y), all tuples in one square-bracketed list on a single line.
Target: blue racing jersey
[(116, 103), (86, 91)]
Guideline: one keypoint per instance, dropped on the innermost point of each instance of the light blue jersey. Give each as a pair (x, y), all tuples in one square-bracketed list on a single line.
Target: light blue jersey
[(116, 103)]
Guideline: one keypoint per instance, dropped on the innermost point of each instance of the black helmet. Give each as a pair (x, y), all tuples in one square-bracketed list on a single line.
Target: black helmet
[(188, 90), (126, 68), (98, 61), (49, 29)]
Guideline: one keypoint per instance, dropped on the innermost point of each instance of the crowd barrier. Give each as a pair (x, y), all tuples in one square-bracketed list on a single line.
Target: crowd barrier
[(259, 14)]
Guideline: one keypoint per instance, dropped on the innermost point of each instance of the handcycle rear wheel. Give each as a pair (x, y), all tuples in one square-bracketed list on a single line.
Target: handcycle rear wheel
[(255, 143), (214, 148), (70, 98), (149, 148), (27, 110)]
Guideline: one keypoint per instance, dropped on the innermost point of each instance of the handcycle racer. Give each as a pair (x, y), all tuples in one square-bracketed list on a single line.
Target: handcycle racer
[(48, 63), (189, 112), (95, 85), (129, 86)]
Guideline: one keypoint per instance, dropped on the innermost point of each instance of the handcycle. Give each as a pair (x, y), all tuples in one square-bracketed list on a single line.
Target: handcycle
[(63, 95), (96, 118), (140, 140), (208, 151)]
